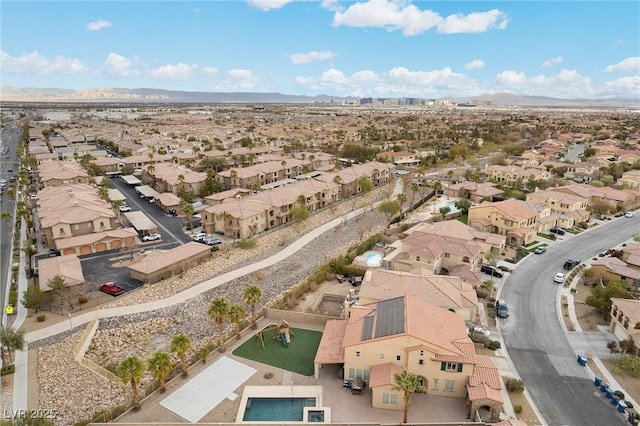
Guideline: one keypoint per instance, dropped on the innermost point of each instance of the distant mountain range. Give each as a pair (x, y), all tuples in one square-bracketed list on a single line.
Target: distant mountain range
[(121, 95)]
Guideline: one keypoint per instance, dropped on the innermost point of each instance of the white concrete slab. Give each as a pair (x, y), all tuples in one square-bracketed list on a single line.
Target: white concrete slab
[(202, 393)]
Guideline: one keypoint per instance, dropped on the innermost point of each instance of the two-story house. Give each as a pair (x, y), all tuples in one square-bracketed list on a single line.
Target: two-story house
[(512, 218)]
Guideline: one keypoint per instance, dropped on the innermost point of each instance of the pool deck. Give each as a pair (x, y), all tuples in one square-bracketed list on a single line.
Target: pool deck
[(345, 407), (278, 392)]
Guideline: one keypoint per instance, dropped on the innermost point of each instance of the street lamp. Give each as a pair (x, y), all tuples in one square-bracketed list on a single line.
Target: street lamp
[(70, 325)]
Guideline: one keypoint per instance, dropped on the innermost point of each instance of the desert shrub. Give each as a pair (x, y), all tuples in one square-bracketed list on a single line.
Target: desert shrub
[(517, 409), (493, 345), (491, 313), (481, 293), (515, 385), (619, 394), (491, 305), (247, 243), (40, 318), (82, 300), (480, 338), (629, 404), (9, 369)]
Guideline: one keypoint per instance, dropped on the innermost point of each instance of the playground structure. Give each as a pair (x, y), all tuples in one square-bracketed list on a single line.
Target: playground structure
[(283, 333)]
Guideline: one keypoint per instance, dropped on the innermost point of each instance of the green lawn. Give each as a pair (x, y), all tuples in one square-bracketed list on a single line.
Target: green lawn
[(297, 357)]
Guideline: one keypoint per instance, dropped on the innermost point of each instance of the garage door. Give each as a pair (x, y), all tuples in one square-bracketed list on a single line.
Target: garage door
[(116, 244), (85, 250), (101, 247), (69, 251)]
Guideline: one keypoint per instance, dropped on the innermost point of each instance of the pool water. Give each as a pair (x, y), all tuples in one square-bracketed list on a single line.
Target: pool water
[(452, 206), (373, 259), (277, 409)]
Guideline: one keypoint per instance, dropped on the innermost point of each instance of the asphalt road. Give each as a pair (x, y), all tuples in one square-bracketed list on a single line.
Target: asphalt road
[(9, 160), (562, 390)]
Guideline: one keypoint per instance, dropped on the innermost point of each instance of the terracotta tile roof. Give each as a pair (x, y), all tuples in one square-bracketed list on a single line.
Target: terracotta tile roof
[(383, 374), (87, 239), (61, 170), (169, 173), (485, 382), (617, 266), (331, 350), (68, 267), (629, 307), (168, 199), (158, 260)]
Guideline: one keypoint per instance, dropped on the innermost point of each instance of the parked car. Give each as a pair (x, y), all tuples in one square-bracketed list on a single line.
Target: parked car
[(490, 270), (628, 214), (559, 278), (212, 241), (125, 208), (54, 253), (111, 288), (540, 250), (570, 263), (557, 231), (502, 310), (151, 237), (200, 237)]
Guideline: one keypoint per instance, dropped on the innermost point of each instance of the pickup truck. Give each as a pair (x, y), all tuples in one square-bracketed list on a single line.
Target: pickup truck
[(502, 311), (569, 264)]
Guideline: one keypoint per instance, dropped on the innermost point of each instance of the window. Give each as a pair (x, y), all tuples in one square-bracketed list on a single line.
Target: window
[(421, 362), (417, 258), (357, 353), (381, 356), (397, 357), (434, 384), (449, 385), (450, 366), (75, 226), (389, 398), (101, 224), (61, 230), (421, 353), (447, 255), (358, 373)]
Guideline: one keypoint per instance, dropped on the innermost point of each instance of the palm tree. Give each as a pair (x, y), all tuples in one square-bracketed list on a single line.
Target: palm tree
[(252, 296), (237, 313), (10, 340), (180, 344), (160, 366), (117, 204), (218, 312), (131, 370), (402, 198), (414, 189), (408, 383), (189, 211), (103, 192), (437, 185)]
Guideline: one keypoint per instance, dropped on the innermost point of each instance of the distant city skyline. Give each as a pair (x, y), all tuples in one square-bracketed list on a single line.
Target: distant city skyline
[(376, 48)]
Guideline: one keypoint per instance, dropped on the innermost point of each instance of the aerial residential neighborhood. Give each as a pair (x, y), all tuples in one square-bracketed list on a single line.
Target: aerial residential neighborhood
[(369, 262)]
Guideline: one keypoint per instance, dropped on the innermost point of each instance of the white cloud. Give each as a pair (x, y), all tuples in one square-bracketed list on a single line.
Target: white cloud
[(553, 61), (239, 80), (209, 70), (312, 56), (477, 22), (631, 64), (390, 15), (618, 42), (331, 5), (34, 63), (567, 84), (266, 5), (395, 15), (98, 25), (179, 71), (398, 81), (475, 64), (623, 87), (118, 66)]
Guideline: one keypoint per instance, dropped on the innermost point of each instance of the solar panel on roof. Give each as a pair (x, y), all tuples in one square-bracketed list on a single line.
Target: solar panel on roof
[(389, 317), (367, 328)]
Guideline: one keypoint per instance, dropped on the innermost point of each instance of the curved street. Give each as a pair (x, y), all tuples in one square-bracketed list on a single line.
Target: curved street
[(536, 340)]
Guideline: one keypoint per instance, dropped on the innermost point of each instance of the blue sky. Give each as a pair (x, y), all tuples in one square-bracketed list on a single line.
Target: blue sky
[(375, 48)]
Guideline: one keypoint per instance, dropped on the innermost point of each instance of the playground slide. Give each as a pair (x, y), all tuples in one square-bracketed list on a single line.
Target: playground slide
[(285, 339)]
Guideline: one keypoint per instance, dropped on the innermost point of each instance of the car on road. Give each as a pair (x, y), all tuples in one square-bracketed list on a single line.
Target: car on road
[(212, 241), (557, 231), (111, 288), (502, 311), (559, 278), (124, 208), (490, 270), (570, 263), (200, 237), (540, 250), (151, 237), (628, 214)]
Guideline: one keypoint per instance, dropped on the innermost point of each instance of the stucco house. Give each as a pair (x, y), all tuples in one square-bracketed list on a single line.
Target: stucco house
[(625, 319), (570, 208), (410, 334), (59, 173), (512, 218)]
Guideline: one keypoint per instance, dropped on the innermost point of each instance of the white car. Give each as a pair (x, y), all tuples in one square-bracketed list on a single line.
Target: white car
[(559, 278), (151, 237), (125, 208), (628, 214)]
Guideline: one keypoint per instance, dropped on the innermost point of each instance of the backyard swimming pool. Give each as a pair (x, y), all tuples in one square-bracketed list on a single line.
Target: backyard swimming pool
[(276, 409), (452, 206), (374, 259)]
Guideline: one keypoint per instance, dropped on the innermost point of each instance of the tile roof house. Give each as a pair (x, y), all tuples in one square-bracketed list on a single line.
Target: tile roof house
[(73, 210), (513, 218), (258, 175), (515, 175), (58, 173), (612, 268), (67, 266), (401, 159), (408, 334), (446, 291), (630, 180), (160, 264), (618, 199), (98, 241), (174, 178), (473, 191), (571, 208), (631, 254), (625, 319)]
